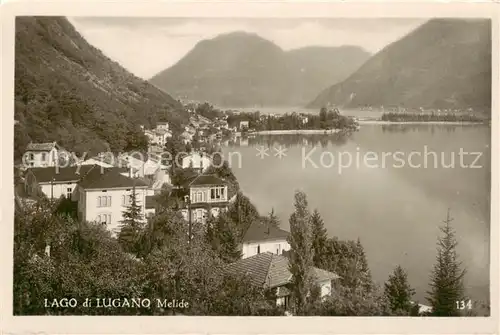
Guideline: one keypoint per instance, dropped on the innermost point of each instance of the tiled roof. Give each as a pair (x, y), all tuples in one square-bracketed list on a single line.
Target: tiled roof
[(41, 146), (62, 174), (256, 267), (205, 180), (109, 178), (270, 270), (264, 232)]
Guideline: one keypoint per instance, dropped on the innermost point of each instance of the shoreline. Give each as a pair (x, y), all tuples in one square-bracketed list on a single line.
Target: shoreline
[(296, 131), (453, 123)]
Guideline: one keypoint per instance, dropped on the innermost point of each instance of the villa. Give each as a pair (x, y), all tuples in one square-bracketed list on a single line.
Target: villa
[(205, 195), (197, 160), (270, 271), (103, 197), (260, 238), (42, 154)]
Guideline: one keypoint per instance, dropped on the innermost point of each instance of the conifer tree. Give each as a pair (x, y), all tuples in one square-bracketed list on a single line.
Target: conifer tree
[(273, 219), (447, 276), (398, 292), (319, 240), (301, 254), (364, 280), (132, 225)]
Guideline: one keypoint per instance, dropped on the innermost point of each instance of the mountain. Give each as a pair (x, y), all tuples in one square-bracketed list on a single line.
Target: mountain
[(242, 69), (70, 92), (444, 63)]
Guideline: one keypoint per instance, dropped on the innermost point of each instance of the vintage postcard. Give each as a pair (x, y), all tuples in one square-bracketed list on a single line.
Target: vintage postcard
[(239, 167)]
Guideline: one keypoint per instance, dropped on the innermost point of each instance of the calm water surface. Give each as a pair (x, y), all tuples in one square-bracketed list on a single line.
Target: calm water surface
[(395, 211)]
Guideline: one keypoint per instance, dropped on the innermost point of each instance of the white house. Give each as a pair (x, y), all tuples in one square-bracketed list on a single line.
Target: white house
[(103, 196), (197, 160), (158, 136), (261, 237), (270, 271), (162, 126), (206, 195), (143, 163), (244, 125), (41, 154), (55, 182)]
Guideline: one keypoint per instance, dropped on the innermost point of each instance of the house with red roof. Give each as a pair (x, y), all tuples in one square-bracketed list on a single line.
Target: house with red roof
[(270, 271)]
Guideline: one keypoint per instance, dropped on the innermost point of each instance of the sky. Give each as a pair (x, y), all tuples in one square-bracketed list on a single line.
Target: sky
[(146, 46)]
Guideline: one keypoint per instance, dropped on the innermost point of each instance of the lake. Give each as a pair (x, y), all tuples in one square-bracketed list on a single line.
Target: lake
[(395, 204)]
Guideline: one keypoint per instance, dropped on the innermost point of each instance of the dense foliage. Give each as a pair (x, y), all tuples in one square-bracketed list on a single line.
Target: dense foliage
[(326, 119), (56, 257), (301, 254)]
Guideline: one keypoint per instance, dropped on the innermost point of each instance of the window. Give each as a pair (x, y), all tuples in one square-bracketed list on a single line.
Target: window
[(217, 193), (199, 197), (44, 156), (258, 249), (104, 201), (255, 250), (278, 249), (126, 200), (32, 156), (69, 191), (104, 218)]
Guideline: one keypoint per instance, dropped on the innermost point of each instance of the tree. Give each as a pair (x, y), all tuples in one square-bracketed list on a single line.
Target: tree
[(228, 241), (132, 225), (273, 219), (176, 148), (363, 275), (242, 213), (398, 292), (447, 276), (301, 254), (319, 240), (55, 257)]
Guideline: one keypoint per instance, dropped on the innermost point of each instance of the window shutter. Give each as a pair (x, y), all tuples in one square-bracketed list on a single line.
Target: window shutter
[(98, 201), (109, 201)]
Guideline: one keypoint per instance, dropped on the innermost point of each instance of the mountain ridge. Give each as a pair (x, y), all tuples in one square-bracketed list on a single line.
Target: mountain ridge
[(244, 69), (444, 63)]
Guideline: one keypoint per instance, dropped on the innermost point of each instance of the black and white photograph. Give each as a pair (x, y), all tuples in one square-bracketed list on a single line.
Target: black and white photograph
[(252, 166)]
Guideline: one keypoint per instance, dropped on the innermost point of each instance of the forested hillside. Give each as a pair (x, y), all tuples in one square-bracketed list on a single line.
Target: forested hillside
[(70, 92), (445, 63)]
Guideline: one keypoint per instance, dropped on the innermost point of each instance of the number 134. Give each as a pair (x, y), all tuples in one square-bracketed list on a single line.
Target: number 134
[(462, 304)]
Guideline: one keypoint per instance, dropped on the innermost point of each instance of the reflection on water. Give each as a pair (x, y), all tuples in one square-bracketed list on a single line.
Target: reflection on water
[(290, 140), (396, 212)]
